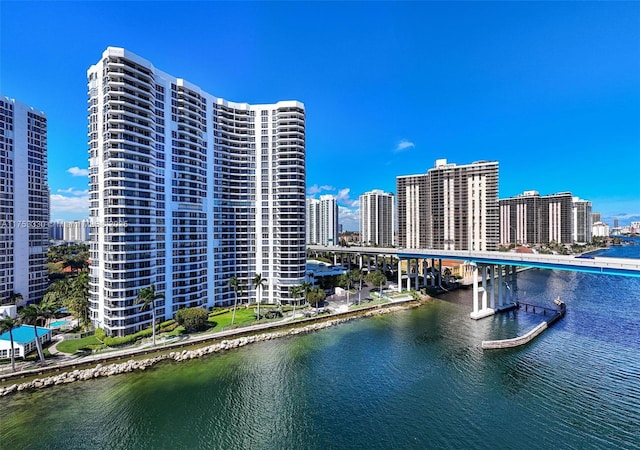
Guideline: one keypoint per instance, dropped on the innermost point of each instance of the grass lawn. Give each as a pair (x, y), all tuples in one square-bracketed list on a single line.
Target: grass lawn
[(73, 345), (222, 321)]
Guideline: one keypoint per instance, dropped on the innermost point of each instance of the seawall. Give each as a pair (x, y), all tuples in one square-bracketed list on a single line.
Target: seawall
[(105, 365)]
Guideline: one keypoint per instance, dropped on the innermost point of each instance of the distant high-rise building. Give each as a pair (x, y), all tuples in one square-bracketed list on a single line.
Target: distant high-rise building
[(581, 218), (322, 221), (312, 224), (616, 223), (56, 231), (376, 218), (595, 217), (24, 202), (530, 219), (76, 231), (187, 190), (600, 229), (450, 207)]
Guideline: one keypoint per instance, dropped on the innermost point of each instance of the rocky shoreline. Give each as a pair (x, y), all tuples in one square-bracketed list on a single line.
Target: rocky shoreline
[(106, 370)]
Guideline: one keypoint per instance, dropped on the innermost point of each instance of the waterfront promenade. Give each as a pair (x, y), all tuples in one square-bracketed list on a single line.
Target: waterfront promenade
[(191, 341)]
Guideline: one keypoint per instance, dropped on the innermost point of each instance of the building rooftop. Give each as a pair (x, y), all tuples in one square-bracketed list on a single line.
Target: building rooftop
[(23, 334)]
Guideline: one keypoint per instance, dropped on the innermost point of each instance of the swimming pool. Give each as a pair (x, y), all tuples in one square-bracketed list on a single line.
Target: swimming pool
[(59, 323)]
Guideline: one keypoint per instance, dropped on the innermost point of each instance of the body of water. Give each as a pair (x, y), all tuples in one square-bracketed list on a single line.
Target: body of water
[(414, 379)]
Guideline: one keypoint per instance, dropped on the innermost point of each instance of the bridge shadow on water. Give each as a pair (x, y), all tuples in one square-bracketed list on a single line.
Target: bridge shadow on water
[(502, 325)]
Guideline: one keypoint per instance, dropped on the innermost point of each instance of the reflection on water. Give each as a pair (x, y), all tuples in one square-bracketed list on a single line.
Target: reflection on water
[(415, 379)]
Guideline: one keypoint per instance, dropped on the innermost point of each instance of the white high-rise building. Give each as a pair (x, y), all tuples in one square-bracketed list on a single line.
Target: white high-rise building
[(24, 202), (76, 231), (187, 190), (376, 218), (450, 207), (600, 229), (329, 230), (322, 221), (313, 221)]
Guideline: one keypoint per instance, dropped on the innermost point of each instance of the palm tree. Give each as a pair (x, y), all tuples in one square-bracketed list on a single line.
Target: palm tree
[(8, 323), (237, 289), (295, 293), (31, 315), (78, 298), (148, 296), (306, 288), (258, 284)]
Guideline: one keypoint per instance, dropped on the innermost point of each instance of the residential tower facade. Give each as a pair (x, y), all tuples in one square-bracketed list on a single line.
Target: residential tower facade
[(322, 221), (187, 190), (24, 202), (451, 207), (530, 218), (377, 218)]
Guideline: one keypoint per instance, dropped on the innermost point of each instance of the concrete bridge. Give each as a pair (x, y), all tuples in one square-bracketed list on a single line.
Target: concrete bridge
[(493, 274)]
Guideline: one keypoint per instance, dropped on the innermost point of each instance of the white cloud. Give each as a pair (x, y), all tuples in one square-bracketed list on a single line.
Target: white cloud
[(349, 218), (315, 189), (69, 202), (73, 191), (403, 145), (343, 197), (78, 172)]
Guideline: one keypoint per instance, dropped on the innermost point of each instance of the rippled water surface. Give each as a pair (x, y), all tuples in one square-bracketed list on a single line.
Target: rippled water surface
[(414, 379)]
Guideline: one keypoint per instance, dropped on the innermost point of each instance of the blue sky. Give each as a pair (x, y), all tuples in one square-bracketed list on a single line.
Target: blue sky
[(550, 90)]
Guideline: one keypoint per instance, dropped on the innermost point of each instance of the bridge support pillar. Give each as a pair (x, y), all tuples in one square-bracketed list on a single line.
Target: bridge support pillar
[(492, 291), (500, 286), (399, 276), (479, 313)]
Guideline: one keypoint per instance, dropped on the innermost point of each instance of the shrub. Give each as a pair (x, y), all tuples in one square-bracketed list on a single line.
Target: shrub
[(172, 326), (166, 323), (192, 319), (273, 314), (100, 334)]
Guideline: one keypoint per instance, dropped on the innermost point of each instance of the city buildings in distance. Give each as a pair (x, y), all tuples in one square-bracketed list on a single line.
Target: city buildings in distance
[(377, 218), (451, 207), (322, 220), (70, 231), (187, 190), (24, 203)]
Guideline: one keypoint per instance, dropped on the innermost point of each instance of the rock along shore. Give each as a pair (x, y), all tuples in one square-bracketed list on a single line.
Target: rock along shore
[(106, 370)]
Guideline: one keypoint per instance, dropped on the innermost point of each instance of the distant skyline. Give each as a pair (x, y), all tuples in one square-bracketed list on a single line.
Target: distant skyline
[(549, 90)]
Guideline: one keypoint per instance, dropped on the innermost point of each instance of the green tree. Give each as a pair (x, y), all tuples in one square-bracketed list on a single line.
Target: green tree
[(258, 284), (316, 296), (378, 279), (306, 288), (7, 324), (356, 277), (78, 299), (192, 319), (147, 297), (295, 293), (234, 284), (31, 315)]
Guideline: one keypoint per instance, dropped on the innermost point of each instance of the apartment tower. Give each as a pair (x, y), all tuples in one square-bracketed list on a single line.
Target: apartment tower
[(187, 190), (376, 218), (582, 221), (24, 203), (322, 221), (451, 207), (529, 218)]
